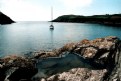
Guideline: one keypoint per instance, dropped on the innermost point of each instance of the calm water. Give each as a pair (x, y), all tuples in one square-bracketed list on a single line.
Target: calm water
[(23, 37)]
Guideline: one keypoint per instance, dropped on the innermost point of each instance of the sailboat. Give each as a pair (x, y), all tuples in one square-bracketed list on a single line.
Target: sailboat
[(51, 26)]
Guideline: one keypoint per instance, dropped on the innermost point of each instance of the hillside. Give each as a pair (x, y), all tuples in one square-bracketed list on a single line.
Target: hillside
[(5, 19), (107, 19)]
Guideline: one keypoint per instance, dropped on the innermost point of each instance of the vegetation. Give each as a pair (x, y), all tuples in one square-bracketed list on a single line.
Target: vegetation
[(107, 19)]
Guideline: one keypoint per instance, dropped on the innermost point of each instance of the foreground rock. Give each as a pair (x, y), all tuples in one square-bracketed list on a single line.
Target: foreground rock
[(14, 68), (5, 19), (87, 60), (79, 74), (102, 51), (51, 66), (96, 50)]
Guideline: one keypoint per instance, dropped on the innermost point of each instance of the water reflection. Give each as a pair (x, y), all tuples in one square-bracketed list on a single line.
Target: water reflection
[(51, 38), (22, 37), (50, 66)]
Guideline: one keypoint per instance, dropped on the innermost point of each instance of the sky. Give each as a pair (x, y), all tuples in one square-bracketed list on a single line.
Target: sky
[(40, 10)]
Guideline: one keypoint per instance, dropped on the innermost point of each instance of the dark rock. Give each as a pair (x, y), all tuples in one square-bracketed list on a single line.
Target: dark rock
[(23, 74), (5, 19), (16, 68), (114, 71)]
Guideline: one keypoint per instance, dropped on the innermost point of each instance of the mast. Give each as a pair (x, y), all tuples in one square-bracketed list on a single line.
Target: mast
[(51, 15), (51, 26)]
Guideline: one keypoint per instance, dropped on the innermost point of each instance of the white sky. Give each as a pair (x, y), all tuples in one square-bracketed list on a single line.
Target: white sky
[(39, 10)]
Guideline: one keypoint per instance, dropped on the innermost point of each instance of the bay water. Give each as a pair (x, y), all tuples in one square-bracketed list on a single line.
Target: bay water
[(24, 37)]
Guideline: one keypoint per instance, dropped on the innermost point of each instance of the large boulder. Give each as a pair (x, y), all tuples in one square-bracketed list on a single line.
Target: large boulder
[(16, 68), (5, 19)]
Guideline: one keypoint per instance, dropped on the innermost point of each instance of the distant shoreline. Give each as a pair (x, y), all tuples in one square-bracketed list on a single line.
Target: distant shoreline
[(112, 20)]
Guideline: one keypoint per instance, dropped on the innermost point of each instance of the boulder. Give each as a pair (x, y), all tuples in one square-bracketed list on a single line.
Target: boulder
[(79, 74), (16, 68)]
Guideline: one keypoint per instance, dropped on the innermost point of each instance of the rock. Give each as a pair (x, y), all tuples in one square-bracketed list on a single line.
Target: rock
[(43, 79), (115, 73), (87, 60), (1, 66), (5, 19), (100, 51), (79, 74), (44, 54), (89, 52), (50, 66), (16, 68), (96, 50), (22, 73)]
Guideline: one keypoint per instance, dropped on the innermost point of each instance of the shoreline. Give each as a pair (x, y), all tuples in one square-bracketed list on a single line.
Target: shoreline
[(110, 20), (84, 56)]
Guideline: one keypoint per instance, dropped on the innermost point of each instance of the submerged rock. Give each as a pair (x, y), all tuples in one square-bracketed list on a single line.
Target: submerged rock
[(51, 66)]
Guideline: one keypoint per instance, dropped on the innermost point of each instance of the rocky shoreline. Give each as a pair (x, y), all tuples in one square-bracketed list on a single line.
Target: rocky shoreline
[(87, 60)]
